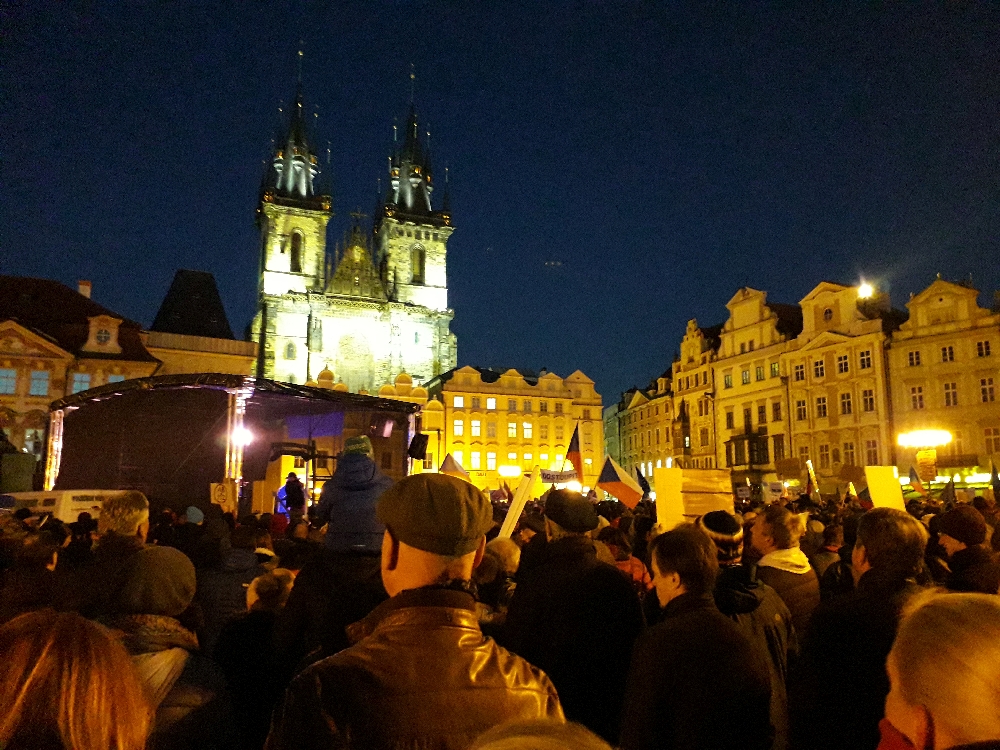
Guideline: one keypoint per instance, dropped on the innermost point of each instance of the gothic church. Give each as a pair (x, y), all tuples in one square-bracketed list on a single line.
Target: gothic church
[(371, 310)]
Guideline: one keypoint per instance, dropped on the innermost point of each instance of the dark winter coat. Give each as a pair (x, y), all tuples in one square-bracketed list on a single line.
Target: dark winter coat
[(577, 618), (798, 589), (696, 683), (837, 688), (347, 504), (766, 621), (975, 569), (222, 593), (837, 578), (93, 588)]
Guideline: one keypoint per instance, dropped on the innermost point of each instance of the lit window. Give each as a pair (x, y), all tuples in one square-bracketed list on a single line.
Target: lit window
[(491, 461), (458, 402), (116, 378), (727, 380), (39, 383), (843, 364), (951, 394), (913, 358), (459, 428), (775, 369), (759, 372), (81, 382), (512, 429), (868, 400), (526, 427), (819, 368), (544, 458), (476, 428), (512, 457), (745, 377), (947, 354), (983, 348), (457, 455), (527, 458), (474, 459), (491, 404), (864, 362), (8, 381), (588, 461), (799, 373), (559, 458), (917, 397)]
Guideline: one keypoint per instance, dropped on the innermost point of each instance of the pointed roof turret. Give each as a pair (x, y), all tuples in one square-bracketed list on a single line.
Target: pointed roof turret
[(356, 275)]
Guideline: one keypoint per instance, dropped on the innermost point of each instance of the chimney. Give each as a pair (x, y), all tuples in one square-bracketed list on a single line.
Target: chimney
[(84, 287)]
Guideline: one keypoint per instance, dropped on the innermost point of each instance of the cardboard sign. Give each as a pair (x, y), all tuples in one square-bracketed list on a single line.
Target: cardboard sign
[(884, 488), (669, 500), (521, 496)]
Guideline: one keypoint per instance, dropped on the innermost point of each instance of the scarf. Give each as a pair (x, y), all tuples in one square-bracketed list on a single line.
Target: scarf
[(150, 633)]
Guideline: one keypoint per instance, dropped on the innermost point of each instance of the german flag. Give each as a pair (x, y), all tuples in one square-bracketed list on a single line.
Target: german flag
[(616, 481), (573, 455)]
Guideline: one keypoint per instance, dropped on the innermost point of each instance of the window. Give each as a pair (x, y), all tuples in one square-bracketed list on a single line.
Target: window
[(727, 380), (491, 404), (824, 457), (459, 428), (803, 453), (543, 431), (775, 369), (657, 435), (956, 444), (745, 378), (868, 399), (476, 428), (81, 382), (458, 402), (819, 368), (982, 348), (512, 404), (116, 378), (800, 410), (476, 402), (871, 452), (491, 461), (779, 447), (947, 354), (527, 406), (760, 372), (512, 456), (913, 359), (986, 389), (846, 405), (290, 350), (843, 364), (992, 435), (835, 455), (526, 427), (704, 436), (40, 383), (527, 458), (8, 381), (951, 394), (762, 414), (418, 264), (776, 411), (828, 314), (512, 429), (457, 455), (475, 460), (491, 429), (559, 432), (296, 262), (559, 407), (543, 406), (730, 423), (586, 412), (865, 360), (849, 454), (821, 406), (917, 397), (799, 373)]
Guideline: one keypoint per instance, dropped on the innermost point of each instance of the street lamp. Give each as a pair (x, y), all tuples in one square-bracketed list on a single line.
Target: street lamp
[(926, 442), (865, 290)]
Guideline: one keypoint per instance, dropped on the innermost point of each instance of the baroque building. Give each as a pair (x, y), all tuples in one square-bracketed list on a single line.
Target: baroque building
[(694, 398), (374, 308), (645, 421)]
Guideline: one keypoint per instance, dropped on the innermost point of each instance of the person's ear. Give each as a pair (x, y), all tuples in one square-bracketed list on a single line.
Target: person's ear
[(391, 551), (480, 553)]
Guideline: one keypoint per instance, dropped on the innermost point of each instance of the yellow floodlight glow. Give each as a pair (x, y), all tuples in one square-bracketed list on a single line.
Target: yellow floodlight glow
[(509, 471), (865, 290), (574, 486), (924, 438), (242, 436)]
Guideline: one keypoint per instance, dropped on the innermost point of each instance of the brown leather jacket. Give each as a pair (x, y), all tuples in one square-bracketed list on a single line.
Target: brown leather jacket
[(422, 676)]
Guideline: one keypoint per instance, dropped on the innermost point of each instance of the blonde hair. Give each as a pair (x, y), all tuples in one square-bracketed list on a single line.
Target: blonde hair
[(786, 528), (507, 552), (64, 678), (539, 734), (123, 514), (947, 656)]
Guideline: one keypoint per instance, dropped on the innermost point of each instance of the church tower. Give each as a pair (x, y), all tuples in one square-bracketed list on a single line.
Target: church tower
[(411, 237), (292, 214)]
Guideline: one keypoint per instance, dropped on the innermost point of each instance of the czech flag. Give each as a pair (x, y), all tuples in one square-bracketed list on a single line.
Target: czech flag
[(574, 456), (915, 482), (616, 481)]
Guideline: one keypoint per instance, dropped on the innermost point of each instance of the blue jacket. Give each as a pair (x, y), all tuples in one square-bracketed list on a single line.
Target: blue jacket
[(347, 504)]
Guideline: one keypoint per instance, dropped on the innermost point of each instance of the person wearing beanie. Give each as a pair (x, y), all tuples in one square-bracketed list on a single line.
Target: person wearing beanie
[(755, 607), (973, 566), (420, 672), (576, 617)]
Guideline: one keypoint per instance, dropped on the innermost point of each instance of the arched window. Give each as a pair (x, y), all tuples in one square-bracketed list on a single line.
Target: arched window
[(290, 350), (417, 261), (296, 252)]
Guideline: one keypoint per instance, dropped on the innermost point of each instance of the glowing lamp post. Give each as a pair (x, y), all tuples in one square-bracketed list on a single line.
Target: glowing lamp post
[(865, 290), (926, 442)]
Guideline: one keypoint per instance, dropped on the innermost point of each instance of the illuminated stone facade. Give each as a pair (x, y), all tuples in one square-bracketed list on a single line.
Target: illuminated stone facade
[(366, 318), (498, 425), (645, 422), (693, 431)]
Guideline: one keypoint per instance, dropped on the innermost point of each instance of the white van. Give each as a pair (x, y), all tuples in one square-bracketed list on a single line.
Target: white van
[(65, 505)]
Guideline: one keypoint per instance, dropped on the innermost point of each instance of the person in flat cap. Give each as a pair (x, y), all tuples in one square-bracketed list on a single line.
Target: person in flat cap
[(576, 617), (420, 672), (974, 566)]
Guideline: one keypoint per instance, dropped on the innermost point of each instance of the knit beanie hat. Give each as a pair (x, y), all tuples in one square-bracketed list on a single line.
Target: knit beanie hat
[(360, 445), (964, 523), (161, 582), (726, 532)]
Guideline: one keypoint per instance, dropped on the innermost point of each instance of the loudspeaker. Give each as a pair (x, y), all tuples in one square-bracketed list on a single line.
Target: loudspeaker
[(418, 447)]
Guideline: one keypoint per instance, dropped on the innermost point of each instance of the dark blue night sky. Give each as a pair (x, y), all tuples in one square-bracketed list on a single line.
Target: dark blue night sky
[(665, 153)]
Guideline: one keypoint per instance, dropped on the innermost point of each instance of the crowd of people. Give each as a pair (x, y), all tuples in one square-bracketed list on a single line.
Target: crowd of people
[(395, 616)]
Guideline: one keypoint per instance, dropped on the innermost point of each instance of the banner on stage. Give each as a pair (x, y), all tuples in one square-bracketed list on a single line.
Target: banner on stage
[(557, 477)]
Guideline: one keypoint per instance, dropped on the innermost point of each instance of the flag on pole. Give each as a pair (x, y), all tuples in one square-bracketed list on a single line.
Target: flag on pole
[(616, 481), (851, 492), (813, 485), (642, 481), (948, 495), (573, 455), (915, 482)]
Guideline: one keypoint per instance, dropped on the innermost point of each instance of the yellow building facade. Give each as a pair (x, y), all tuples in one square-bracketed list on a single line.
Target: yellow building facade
[(500, 425), (944, 375), (645, 427), (836, 370), (694, 398)]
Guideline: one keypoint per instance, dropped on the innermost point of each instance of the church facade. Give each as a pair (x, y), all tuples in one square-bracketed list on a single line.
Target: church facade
[(375, 307)]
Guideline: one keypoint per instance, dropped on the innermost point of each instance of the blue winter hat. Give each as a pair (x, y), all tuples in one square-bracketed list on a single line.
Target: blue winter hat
[(194, 515)]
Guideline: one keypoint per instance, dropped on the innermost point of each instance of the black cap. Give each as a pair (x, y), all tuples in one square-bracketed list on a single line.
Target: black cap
[(571, 510)]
